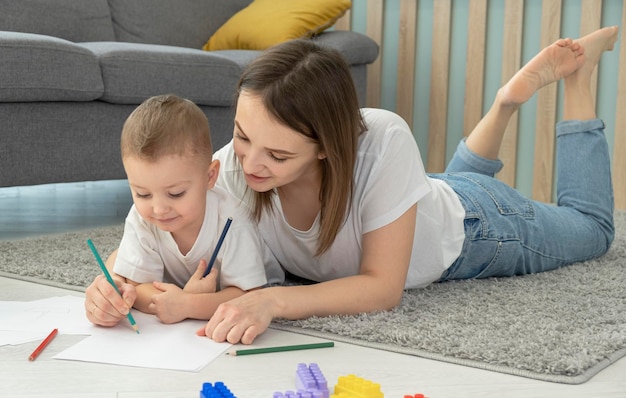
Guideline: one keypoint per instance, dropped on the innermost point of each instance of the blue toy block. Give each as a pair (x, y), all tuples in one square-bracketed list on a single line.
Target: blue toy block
[(219, 390)]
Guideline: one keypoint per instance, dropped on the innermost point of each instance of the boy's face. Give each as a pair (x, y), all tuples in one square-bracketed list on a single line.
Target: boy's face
[(171, 192)]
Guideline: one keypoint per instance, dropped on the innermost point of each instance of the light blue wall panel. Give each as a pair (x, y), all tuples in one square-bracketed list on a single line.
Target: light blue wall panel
[(390, 58), (422, 77), (570, 26), (456, 93), (527, 117)]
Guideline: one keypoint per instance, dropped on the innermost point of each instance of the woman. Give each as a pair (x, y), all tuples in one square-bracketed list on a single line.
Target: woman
[(342, 198)]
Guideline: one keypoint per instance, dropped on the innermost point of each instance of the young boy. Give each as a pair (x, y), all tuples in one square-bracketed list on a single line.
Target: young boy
[(178, 216)]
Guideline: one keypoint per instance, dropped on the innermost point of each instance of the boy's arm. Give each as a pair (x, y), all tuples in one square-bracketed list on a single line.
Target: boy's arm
[(197, 300), (172, 304), (203, 305), (145, 291)]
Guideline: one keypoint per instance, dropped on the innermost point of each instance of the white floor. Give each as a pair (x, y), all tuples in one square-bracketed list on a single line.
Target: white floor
[(262, 375), (35, 212)]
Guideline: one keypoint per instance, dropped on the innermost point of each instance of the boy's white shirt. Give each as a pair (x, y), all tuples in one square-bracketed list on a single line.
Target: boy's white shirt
[(389, 178), (148, 254)]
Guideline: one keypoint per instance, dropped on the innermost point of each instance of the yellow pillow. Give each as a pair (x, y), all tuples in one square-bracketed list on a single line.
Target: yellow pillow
[(265, 23)]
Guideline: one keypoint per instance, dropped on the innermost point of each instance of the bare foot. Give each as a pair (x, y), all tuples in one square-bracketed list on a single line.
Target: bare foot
[(553, 63), (579, 101), (595, 44)]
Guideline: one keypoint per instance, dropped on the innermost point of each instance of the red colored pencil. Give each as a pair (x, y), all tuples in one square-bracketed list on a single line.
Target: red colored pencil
[(43, 345)]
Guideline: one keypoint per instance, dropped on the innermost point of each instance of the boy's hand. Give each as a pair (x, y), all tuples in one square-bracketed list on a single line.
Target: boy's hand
[(199, 284), (104, 306), (170, 304)]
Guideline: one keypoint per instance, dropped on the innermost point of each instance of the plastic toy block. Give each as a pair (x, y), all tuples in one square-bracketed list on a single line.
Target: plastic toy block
[(219, 390), (299, 394), (352, 386), (311, 378), (310, 383)]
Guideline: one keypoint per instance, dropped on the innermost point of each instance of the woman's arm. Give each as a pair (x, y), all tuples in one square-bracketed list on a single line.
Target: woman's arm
[(378, 286)]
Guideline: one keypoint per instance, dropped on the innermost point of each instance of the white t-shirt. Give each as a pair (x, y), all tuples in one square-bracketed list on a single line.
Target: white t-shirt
[(148, 254), (389, 178)]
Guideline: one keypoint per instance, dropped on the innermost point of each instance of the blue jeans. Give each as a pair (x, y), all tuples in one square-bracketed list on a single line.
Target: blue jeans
[(507, 234)]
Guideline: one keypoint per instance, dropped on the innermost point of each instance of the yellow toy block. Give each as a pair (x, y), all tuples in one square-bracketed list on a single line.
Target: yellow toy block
[(352, 386)]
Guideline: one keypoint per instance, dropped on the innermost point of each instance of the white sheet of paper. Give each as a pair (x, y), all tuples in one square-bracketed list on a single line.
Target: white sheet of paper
[(158, 345), (24, 321), (14, 337), (8, 310)]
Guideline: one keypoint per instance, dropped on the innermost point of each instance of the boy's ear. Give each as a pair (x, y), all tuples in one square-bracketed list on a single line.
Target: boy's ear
[(213, 172)]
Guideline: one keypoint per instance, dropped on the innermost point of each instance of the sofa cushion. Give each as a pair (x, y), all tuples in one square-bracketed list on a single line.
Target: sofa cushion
[(73, 20), (265, 23), (185, 23), (356, 48), (43, 68), (133, 72)]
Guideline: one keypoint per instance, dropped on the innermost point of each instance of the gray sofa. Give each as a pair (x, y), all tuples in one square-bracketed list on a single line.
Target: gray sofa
[(72, 70)]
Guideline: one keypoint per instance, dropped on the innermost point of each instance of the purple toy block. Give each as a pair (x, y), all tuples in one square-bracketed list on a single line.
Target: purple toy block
[(311, 379), (310, 383)]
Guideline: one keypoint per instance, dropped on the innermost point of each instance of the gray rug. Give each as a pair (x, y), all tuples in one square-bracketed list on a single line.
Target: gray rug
[(560, 326)]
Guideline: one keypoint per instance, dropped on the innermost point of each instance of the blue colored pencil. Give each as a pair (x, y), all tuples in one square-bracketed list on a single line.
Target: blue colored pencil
[(108, 276), (217, 248)]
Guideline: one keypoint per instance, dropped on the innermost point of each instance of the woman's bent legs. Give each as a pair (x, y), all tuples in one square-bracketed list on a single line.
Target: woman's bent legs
[(465, 160), (508, 234), (584, 175)]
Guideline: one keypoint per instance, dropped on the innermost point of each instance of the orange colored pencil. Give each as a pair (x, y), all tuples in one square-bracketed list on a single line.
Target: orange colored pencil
[(43, 345)]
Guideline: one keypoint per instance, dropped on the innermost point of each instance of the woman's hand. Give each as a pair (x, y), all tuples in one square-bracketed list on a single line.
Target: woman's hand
[(242, 319), (104, 306)]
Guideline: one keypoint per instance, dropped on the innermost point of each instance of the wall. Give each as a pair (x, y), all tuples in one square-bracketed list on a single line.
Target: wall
[(442, 62)]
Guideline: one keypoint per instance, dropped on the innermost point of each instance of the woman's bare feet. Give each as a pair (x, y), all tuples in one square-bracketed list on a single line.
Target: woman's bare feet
[(553, 63), (595, 44), (566, 58), (579, 103)]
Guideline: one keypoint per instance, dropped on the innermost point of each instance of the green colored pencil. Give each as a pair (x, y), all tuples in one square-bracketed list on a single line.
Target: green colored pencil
[(296, 347), (110, 279)]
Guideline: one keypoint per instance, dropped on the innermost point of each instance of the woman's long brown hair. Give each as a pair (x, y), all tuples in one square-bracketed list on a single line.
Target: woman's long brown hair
[(309, 88)]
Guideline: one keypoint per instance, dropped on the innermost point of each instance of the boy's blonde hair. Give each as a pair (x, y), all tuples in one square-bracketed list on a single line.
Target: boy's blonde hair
[(166, 125)]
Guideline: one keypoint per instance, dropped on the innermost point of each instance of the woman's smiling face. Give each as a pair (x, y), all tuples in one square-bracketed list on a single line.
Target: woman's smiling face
[(271, 154)]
